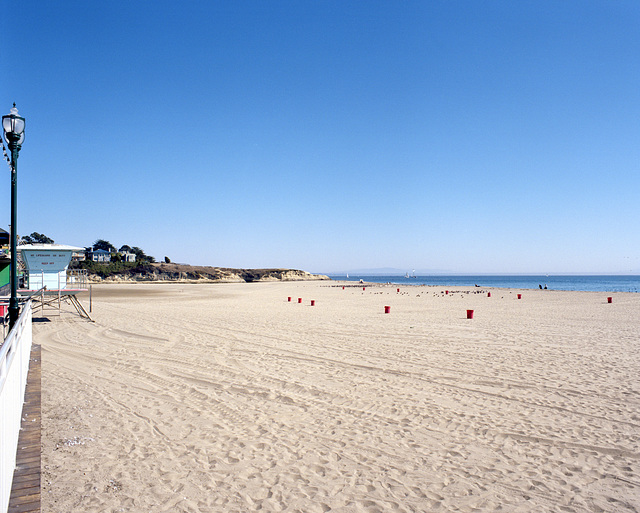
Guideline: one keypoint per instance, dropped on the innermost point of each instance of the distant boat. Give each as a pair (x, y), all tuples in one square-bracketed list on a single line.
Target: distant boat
[(406, 275), (414, 273), (347, 275)]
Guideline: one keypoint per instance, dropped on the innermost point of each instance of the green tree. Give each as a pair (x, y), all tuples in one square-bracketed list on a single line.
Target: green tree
[(141, 256), (37, 238), (104, 244), (138, 253)]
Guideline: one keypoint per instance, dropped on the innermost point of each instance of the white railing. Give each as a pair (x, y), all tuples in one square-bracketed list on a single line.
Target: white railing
[(77, 278), (14, 367)]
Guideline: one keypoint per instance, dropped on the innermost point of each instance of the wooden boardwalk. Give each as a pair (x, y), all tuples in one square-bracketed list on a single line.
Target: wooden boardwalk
[(25, 492)]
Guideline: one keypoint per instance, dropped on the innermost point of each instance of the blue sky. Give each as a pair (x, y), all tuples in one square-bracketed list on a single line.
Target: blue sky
[(455, 135)]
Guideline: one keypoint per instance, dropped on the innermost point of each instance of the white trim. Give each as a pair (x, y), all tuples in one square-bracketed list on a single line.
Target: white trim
[(15, 352)]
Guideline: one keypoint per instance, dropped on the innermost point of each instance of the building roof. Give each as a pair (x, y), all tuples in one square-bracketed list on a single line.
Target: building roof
[(100, 251), (49, 247)]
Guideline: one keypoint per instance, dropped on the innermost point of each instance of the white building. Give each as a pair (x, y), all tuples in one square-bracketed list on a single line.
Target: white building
[(46, 264), (128, 257)]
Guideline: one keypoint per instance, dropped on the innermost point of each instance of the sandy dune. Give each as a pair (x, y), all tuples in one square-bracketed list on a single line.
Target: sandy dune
[(228, 398)]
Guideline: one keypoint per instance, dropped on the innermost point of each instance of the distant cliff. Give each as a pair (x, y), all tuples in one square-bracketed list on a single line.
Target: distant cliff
[(182, 272)]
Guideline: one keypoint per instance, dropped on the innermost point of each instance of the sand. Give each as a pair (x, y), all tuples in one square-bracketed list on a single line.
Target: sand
[(229, 398)]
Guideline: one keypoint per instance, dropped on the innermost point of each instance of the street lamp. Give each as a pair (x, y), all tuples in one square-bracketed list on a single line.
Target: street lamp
[(13, 126)]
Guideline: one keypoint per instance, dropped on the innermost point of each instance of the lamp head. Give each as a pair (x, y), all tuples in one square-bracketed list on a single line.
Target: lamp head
[(13, 126)]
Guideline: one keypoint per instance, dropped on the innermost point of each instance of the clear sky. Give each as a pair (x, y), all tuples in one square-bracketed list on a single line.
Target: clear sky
[(493, 136)]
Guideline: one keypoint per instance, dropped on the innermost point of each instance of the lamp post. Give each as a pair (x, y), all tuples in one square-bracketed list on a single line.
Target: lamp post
[(13, 126)]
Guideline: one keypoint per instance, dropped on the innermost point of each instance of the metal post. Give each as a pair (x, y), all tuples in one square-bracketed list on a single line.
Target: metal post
[(90, 298), (14, 309)]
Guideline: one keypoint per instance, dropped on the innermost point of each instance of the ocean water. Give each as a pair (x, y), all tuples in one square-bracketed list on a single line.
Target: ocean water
[(608, 283)]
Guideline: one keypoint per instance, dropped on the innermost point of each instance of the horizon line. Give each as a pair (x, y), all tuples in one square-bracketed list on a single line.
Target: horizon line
[(450, 273)]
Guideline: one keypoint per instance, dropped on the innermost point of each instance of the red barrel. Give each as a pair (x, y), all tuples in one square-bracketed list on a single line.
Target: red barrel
[(289, 299), (609, 299), (488, 294), (519, 296), (397, 290), (363, 288), (469, 314), (446, 291), (313, 302), (387, 309), (343, 288), (299, 300)]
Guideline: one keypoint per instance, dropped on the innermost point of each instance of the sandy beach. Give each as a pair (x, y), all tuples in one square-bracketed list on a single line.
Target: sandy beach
[(229, 398)]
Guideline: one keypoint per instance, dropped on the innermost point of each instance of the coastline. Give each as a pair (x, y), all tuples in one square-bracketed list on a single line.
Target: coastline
[(591, 282), (228, 397)]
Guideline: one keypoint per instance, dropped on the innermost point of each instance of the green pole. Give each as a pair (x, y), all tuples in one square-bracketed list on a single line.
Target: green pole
[(14, 309)]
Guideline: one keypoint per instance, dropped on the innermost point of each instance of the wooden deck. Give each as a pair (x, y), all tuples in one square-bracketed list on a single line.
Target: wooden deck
[(25, 492)]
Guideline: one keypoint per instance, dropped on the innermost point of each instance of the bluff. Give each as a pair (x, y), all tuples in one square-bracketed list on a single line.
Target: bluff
[(193, 273)]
